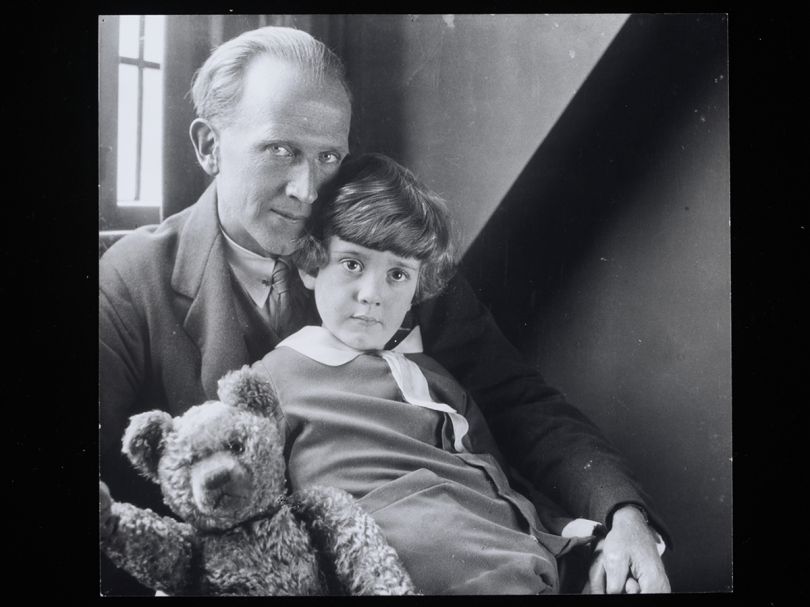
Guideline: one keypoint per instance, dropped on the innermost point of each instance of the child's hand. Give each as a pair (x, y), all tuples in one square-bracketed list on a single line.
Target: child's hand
[(106, 520)]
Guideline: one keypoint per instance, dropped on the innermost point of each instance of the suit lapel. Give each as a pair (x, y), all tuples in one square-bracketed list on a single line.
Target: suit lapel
[(202, 274)]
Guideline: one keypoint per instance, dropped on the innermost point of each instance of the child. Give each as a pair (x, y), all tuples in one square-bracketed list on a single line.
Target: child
[(392, 427)]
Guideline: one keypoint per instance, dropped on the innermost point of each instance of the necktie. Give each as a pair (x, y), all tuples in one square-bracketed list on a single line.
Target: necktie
[(278, 302)]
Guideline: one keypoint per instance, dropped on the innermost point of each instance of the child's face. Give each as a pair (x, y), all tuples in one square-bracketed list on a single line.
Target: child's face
[(362, 294)]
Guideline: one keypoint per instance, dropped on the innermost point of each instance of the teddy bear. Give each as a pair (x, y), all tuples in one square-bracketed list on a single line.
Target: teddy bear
[(221, 469)]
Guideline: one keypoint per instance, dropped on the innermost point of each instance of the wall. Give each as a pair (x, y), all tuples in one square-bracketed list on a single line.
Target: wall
[(464, 100)]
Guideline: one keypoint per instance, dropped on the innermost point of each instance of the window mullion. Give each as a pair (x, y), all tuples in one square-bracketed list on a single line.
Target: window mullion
[(139, 132)]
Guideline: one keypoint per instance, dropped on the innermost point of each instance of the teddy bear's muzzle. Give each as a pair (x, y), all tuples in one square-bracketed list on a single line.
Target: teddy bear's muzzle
[(220, 483)]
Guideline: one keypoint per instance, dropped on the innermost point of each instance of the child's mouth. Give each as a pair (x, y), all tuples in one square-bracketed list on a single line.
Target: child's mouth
[(366, 320)]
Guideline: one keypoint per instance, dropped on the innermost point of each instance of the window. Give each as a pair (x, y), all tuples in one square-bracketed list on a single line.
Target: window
[(140, 110), (131, 83)]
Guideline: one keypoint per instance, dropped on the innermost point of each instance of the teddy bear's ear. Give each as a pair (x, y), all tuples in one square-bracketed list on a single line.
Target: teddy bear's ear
[(247, 389), (143, 441)]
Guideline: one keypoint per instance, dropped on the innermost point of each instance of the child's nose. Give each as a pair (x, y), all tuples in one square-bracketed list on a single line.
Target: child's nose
[(369, 292)]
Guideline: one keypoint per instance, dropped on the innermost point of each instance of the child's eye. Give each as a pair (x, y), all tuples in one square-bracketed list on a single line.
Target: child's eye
[(352, 265), (398, 275)]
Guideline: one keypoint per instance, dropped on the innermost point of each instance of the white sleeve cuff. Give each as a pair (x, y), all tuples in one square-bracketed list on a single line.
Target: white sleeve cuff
[(582, 527)]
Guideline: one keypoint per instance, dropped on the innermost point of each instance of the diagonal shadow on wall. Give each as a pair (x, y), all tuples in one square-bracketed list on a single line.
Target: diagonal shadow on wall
[(651, 76)]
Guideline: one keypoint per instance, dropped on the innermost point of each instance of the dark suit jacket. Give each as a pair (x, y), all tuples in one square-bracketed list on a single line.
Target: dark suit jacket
[(169, 329)]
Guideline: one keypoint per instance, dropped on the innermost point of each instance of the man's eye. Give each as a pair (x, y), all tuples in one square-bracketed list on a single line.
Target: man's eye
[(280, 150), (352, 265), (399, 275), (330, 158)]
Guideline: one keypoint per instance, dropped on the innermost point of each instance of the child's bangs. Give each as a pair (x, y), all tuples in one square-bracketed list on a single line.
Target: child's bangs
[(381, 225)]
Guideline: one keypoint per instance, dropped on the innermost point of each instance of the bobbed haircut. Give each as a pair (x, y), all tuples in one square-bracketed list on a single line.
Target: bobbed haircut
[(216, 87), (377, 203)]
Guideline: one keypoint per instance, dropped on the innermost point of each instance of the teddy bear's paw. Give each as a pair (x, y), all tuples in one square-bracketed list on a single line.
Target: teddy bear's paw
[(106, 519)]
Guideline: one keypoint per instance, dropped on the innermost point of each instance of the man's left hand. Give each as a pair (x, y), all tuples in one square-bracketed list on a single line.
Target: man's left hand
[(627, 559)]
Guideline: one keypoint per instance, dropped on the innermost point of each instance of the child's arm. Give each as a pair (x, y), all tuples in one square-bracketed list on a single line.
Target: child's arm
[(365, 564), (156, 550)]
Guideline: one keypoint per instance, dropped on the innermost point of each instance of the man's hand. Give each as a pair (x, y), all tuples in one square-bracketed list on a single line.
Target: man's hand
[(627, 559)]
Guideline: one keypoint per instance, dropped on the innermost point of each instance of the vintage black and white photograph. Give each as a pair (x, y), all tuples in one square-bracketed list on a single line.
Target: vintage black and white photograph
[(414, 304)]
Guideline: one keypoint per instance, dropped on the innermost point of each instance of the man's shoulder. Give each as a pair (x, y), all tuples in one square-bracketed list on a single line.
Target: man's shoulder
[(455, 312), (428, 363), (146, 247)]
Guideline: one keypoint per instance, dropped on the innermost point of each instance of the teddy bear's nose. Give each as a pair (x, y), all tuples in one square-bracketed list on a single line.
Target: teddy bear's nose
[(217, 479)]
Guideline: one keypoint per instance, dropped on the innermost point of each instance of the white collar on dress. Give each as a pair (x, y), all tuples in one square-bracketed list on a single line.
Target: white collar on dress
[(320, 345)]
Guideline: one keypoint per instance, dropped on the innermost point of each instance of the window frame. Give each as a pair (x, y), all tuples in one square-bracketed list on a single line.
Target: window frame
[(113, 216)]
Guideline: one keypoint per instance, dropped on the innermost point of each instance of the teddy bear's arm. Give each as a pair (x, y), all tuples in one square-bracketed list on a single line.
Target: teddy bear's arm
[(158, 551), (365, 564)]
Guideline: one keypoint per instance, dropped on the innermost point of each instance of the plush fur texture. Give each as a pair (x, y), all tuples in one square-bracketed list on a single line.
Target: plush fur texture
[(221, 469)]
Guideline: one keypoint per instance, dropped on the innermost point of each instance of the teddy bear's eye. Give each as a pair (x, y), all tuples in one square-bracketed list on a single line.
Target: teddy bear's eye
[(235, 445)]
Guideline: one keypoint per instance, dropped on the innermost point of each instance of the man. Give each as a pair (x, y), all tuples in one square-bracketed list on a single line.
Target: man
[(210, 290)]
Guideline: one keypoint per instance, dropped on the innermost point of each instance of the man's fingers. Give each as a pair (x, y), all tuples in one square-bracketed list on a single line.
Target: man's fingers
[(651, 575), (654, 581), (631, 586), (617, 569), (596, 574)]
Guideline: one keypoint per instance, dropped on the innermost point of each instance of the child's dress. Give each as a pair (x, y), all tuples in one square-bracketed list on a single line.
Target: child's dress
[(451, 515)]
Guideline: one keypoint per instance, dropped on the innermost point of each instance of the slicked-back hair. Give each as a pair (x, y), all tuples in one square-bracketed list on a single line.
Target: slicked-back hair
[(217, 86), (377, 203)]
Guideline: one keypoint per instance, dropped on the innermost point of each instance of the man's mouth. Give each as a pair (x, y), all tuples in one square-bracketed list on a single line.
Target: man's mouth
[(289, 216)]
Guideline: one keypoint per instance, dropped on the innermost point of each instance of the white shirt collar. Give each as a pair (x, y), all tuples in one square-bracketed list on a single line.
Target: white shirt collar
[(320, 345), (253, 271)]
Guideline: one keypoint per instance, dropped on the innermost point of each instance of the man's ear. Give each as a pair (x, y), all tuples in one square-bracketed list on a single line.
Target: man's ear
[(205, 140), (308, 279)]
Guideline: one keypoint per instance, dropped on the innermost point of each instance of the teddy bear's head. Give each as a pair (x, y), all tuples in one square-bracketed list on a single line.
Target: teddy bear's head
[(219, 463)]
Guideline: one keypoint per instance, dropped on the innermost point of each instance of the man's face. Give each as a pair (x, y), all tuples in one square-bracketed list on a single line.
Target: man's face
[(363, 294), (283, 141)]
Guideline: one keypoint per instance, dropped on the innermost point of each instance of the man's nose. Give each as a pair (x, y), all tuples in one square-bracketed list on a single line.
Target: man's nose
[(370, 292), (302, 184)]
